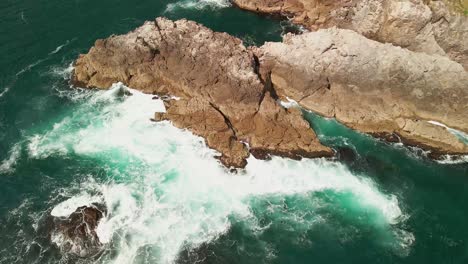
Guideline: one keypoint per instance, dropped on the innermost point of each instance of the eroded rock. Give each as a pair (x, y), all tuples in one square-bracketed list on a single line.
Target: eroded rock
[(418, 25), (372, 87), (76, 234), (222, 97), (228, 93)]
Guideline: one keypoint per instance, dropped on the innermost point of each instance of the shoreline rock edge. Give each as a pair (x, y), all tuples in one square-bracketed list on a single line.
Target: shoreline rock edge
[(222, 96), (228, 93)]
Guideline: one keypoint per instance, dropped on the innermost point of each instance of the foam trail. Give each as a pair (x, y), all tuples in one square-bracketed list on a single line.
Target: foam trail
[(23, 17), (4, 91), (59, 48), (197, 4), (19, 73), (8, 164), (29, 67), (168, 193)]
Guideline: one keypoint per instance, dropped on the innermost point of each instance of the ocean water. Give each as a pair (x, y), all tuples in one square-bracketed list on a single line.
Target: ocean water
[(168, 199)]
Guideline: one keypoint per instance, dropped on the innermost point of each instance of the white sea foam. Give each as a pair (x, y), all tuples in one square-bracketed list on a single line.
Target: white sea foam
[(196, 4), (69, 206), (59, 47), (8, 164), (169, 193), (289, 104), (4, 91), (450, 159), (34, 64), (29, 67)]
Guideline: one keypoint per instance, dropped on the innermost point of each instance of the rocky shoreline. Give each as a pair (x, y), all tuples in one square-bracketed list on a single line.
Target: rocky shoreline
[(429, 26), (229, 94), (222, 97)]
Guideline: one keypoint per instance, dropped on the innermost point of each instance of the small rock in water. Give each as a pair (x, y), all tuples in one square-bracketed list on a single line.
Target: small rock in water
[(76, 233), (346, 154)]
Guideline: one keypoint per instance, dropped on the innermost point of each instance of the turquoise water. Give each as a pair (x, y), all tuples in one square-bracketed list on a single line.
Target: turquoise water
[(169, 201)]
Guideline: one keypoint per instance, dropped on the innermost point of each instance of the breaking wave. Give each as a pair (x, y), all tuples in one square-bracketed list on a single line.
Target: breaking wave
[(165, 192), (196, 4)]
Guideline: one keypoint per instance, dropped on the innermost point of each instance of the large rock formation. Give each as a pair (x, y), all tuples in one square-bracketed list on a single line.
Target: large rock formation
[(372, 87), (222, 98), (418, 25), (228, 93)]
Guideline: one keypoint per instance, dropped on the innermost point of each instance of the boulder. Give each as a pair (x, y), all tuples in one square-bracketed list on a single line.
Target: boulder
[(76, 234)]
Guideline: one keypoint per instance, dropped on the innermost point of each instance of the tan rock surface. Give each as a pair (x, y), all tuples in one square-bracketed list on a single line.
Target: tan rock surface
[(372, 87), (222, 97), (418, 25)]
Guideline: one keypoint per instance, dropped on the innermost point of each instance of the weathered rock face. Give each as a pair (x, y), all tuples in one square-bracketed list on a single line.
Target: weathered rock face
[(228, 92), (223, 98), (372, 87), (418, 25), (76, 234), (313, 14)]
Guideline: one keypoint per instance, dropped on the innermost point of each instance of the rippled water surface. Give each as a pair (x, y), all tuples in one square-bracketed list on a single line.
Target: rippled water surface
[(168, 199)]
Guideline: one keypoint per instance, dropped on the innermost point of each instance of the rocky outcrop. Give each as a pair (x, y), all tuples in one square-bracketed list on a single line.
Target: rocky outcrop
[(228, 93), (222, 97), (372, 87), (76, 233), (418, 25)]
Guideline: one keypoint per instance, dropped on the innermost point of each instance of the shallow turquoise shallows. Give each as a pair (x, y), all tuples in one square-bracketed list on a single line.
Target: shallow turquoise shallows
[(168, 199)]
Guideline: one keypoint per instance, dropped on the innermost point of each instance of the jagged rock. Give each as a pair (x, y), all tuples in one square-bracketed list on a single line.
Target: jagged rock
[(76, 233), (418, 25), (222, 97), (372, 87)]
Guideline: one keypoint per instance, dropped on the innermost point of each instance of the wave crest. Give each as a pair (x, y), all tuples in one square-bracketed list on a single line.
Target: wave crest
[(196, 4), (167, 193)]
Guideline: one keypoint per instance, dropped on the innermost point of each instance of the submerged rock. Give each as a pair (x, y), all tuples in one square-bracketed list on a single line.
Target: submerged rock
[(76, 234), (346, 154), (222, 97)]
